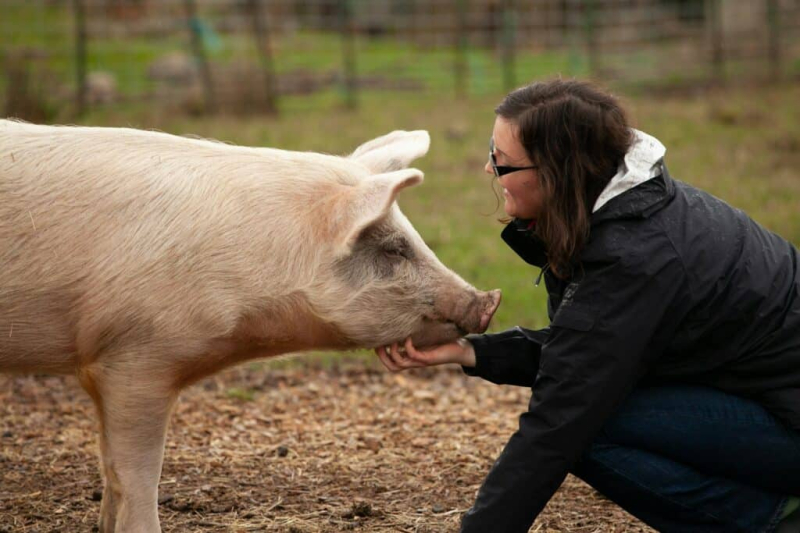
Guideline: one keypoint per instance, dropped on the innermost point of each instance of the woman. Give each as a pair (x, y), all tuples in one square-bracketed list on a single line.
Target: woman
[(669, 378)]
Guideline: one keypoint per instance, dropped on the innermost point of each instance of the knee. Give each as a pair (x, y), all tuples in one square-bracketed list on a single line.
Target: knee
[(598, 457)]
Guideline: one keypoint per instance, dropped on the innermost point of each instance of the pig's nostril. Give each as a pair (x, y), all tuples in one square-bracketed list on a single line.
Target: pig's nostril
[(497, 296), (485, 319), (488, 313)]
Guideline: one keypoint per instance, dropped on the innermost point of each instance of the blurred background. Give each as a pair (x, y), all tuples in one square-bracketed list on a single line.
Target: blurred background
[(329, 443), (268, 56), (716, 80)]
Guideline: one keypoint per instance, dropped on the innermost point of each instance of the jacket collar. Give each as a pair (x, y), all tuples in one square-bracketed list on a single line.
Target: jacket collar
[(641, 201), (641, 163), (525, 242)]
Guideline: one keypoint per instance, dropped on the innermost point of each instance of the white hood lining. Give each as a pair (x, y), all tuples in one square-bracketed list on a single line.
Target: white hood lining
[(641, 163)]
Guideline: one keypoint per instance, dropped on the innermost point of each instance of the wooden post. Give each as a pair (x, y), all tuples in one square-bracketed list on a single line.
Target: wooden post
[(590, 31), (714, 18), (509, 42), (200, 55), (80, 56), (774, 51), (347, 28), (461, 68), (261, 34)]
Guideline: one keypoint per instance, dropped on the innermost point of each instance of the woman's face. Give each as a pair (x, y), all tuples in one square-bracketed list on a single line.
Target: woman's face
[(521, 189)]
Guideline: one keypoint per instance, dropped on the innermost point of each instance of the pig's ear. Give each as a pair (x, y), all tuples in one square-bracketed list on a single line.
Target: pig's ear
[(373, 201), (394, 151)]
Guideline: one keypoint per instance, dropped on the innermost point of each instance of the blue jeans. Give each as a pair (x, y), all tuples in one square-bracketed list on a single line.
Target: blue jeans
[(694, 459)]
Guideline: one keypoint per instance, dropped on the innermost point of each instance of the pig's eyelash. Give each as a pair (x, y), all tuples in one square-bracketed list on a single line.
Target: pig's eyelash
[(397, 249), (396, 252)]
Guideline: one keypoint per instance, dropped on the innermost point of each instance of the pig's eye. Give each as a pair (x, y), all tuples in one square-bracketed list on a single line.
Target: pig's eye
[(396, 253), (397, 249)]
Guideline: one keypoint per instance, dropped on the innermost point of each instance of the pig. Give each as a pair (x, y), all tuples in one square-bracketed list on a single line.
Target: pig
[(141, 262)]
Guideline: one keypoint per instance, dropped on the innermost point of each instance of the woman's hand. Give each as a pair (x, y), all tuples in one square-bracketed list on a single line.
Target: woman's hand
[(396, 358)]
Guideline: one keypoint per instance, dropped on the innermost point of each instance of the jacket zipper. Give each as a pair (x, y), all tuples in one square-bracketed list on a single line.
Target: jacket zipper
[(541, 273)]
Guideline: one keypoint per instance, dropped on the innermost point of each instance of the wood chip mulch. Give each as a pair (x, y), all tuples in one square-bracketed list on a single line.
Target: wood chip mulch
[(290, 448)]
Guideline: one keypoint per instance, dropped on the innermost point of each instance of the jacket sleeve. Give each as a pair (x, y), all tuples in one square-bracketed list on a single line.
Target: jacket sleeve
[(508, 358), (606, 331)]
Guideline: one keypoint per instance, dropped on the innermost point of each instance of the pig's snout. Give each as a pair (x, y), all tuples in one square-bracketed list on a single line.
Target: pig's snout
[(489, 309), (476, 311), (471, 312)]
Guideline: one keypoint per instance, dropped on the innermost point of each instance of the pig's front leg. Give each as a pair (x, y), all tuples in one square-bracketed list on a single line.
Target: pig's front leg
[(134, 408)]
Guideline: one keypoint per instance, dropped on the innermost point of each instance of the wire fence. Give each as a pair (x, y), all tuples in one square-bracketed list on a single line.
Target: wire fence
[(246, 56)]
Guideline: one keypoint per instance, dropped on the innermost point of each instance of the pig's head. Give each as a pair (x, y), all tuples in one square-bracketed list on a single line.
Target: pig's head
[(380, 282)]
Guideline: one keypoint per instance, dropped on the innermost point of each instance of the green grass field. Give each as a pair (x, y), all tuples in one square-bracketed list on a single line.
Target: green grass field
[(47, 28), (50, 28)]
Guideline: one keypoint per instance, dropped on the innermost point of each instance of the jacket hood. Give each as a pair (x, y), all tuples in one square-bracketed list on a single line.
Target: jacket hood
[(641, 163)]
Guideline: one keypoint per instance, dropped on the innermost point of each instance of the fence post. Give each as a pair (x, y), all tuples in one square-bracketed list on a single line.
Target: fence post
[(200, 55), (590, 31), (509, 42), (714, 16), (774, 25), (347, 28), (262, 38), (80, 56), (461, 66)]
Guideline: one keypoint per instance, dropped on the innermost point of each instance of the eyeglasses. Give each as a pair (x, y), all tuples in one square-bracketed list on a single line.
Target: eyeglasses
[(501, 170)]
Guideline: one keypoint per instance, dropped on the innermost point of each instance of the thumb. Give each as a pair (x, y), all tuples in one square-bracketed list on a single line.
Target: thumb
[(435, 355)]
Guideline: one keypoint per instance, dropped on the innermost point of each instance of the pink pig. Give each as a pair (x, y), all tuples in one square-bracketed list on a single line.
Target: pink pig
[(142, 262)]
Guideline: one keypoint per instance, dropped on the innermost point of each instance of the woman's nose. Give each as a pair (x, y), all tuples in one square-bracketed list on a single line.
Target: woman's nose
[(488, 168)]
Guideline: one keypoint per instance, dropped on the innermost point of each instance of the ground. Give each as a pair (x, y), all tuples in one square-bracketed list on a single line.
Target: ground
[(292, 448)]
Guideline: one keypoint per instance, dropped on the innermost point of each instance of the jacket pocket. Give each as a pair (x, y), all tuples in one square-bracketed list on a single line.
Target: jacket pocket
[(574, 317)]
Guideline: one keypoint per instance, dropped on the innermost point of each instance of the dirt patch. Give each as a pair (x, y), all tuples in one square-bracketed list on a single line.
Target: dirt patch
[(306, 449)]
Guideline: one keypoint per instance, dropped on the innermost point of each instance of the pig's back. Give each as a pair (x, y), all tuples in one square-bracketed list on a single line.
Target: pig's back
[(103, 226)]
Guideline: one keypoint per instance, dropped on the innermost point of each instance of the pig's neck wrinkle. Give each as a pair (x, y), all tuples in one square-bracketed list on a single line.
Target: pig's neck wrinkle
[(293, 324), (232, 350), (269, 332)]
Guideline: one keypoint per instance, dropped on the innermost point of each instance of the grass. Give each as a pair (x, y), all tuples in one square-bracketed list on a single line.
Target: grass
[(241, 394), (49, 27)]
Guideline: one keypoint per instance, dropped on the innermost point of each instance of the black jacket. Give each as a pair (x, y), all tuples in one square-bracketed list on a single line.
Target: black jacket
[(674, 285)]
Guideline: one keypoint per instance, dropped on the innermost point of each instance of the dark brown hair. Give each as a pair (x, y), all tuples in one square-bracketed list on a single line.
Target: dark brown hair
[(576, 135)]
